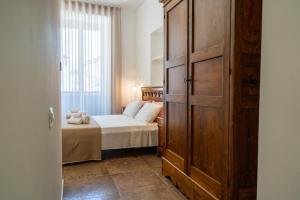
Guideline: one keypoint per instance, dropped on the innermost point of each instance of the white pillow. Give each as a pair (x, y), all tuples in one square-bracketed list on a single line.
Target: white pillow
[(149, 112), (132, 108)]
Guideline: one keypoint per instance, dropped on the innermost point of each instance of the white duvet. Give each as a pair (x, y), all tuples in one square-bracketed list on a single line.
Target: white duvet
[(120, 131)]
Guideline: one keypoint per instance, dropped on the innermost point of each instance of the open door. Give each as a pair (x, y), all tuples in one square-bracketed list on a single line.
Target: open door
[(30, 150)]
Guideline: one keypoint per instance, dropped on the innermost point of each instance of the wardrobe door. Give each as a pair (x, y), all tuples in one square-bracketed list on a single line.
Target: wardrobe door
[(209, 23), (175, 73)]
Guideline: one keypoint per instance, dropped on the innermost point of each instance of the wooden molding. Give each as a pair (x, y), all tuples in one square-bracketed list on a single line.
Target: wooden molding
[(164, 2), (152, 93)]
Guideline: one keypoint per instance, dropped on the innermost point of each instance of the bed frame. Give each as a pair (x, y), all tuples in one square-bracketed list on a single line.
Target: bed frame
[(152, 93)]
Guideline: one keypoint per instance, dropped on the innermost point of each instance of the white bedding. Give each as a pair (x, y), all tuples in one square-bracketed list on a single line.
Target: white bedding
[(120, 131)]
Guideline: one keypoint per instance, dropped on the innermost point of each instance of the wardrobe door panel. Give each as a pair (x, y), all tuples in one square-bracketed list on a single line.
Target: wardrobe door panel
[(209, 95), (175, 80), (207, 125), (176, 49), (177, 19), (208, 78), (206, 139), (176, 134), (208, 27)]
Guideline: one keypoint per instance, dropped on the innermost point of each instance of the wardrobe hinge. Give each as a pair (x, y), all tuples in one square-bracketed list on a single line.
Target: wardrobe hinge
[(60, 66), (230, 71)]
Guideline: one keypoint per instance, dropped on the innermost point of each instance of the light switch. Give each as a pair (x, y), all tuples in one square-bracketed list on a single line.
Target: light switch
[(51, 117)]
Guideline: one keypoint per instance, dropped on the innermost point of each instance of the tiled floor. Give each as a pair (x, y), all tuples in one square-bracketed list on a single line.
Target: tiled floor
[(126, 178)]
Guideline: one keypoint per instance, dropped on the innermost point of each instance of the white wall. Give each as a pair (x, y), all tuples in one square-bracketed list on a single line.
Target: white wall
[(149, 17), (30, 152), (157, 40), (137, 26), (279, 137), (129, 71)]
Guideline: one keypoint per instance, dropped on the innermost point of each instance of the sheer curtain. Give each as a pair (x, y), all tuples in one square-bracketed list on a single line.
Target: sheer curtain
[(90, 58)]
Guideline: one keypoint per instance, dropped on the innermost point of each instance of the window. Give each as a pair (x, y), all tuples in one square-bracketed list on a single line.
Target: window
[(86, 58)]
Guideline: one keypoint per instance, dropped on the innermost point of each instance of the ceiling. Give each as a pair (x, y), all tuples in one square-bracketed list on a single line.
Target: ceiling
[(133, 4)]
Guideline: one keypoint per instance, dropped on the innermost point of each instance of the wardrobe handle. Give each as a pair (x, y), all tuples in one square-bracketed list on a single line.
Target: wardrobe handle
[(188, 80)]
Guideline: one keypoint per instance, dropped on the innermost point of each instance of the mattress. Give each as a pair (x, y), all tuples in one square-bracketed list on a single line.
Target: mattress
[(120, 131)]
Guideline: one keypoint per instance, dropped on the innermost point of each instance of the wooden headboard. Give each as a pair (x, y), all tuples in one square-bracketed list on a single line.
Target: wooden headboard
[(152, 93)]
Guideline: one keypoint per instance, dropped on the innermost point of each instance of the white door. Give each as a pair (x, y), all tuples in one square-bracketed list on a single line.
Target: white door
[(30, 152)]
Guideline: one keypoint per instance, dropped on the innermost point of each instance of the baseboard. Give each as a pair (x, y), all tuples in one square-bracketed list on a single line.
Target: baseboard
[(62, 189)]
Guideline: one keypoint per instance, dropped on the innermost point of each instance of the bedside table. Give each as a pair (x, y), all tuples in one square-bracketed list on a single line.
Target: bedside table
[(161, 136)]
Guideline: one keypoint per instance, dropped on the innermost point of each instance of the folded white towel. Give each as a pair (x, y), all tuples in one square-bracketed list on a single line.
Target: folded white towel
[(85, 119), (74, 110), (75, 115), (69, 115), (76, 121)]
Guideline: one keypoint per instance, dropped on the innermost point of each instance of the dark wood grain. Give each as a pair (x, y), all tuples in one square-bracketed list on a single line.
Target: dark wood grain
[(161, 136), (175, 74), (246, 84), (209, 71), (152, 94), (216, 52)]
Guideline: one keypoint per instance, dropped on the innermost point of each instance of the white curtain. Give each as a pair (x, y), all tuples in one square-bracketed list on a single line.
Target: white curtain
[(90, 59)]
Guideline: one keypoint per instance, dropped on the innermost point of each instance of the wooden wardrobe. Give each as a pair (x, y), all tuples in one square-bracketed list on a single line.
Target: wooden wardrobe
[(211, 94)]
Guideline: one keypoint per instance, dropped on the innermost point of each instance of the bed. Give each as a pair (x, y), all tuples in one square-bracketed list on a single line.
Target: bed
[(108, 132), (120, 131)]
